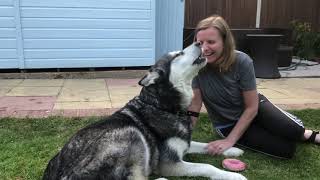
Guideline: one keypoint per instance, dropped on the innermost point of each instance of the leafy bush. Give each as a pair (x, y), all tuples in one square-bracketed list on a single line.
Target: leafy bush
[(306, 41)]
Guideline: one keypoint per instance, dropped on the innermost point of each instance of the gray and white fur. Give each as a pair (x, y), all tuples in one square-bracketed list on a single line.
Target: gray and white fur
[(150, 134)]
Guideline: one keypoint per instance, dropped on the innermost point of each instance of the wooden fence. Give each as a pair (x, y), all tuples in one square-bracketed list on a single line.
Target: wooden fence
[(242, 13)]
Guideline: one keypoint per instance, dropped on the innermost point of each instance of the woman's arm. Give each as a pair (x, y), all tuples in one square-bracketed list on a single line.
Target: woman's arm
[(251, 102), (196, 104)]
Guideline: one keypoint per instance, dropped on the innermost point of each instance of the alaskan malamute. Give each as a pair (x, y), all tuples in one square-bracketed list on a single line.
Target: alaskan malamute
[(150, 134)]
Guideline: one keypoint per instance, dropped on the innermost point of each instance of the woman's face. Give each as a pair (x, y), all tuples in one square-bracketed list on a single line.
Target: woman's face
[(212, 44)]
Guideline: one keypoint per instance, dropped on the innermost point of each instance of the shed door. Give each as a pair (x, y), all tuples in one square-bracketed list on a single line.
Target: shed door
[(81, 33), (169, 26), (8, 41)]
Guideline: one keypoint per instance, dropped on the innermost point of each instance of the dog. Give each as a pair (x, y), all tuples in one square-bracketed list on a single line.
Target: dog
[(150, 134)]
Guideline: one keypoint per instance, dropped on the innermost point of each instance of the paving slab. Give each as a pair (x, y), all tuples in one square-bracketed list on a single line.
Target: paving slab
[(9, 103), (273, 93), (10, 82), (120, 101), (118, 91), (289, 82), (121, 97), (4, 90), (84, 112), (30, 114), (89, 97), (83, 95), (85, 84), (34, 91), (84, 90), (299, 106), (302, 93), (122, 82), (122, 90), (82, 105), (295, 102), (42, 82)]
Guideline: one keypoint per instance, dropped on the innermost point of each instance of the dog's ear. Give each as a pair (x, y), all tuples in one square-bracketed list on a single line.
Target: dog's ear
[(149, 78)]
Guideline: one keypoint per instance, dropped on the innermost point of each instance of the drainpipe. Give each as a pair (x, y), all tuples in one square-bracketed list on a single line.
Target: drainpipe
[(258, 15)]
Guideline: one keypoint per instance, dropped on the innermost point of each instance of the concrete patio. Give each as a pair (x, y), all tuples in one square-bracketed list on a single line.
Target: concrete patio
[(96, 97)]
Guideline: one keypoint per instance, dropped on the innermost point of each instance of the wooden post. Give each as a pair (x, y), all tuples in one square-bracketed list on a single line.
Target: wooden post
[(258, 15)]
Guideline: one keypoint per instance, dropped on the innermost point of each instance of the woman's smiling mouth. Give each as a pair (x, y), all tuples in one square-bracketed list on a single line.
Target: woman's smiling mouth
[(209, 54)]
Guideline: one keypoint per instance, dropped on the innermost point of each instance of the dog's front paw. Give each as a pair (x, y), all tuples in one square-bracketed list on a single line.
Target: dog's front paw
[(236, 176), (229, 176), (233, 152)]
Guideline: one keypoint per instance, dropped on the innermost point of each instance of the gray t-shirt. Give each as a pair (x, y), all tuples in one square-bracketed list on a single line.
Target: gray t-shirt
[(222, 92)]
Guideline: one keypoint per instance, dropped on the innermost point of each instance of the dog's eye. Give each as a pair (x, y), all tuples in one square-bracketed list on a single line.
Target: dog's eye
[(175, 54), (180, 53)]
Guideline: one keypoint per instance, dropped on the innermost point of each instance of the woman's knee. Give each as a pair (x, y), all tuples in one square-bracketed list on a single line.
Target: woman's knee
[(286, 150)]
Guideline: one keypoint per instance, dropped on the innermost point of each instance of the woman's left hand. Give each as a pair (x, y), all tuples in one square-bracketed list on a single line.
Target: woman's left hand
[(219, 146)]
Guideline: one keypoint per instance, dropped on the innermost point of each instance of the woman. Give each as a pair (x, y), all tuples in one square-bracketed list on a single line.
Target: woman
[(227, 88)]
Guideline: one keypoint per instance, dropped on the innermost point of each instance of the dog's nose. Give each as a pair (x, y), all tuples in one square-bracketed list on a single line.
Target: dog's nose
[(197, 44)]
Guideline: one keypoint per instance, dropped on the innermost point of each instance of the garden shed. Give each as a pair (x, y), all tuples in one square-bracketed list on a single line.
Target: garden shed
[(88, 33)]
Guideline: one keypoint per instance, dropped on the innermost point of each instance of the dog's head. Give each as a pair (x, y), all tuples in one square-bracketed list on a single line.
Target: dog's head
[(176, 69)]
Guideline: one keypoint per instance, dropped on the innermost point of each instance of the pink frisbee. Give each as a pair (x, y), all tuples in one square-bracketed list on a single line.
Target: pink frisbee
[(233, 165)]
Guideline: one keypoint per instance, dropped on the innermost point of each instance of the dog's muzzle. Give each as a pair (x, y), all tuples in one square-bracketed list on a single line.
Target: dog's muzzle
[(199, 60)]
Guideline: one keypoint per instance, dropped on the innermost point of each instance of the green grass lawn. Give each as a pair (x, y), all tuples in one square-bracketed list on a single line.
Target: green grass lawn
[(26, 145)]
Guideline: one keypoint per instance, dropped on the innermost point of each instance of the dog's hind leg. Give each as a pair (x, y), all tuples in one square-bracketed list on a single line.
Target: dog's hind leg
[(201, 148), (137, 173), (197, 169), (138, 157)]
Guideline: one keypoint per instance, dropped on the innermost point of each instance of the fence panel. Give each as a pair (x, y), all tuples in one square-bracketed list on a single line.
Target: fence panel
[(239, 14), (279, 14), (242, 13)]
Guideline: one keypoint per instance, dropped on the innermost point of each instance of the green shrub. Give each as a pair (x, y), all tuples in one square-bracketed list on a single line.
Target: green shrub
[(306, 41)]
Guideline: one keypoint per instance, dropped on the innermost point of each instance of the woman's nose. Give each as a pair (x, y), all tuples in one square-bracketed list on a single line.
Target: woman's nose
[(204, 46)]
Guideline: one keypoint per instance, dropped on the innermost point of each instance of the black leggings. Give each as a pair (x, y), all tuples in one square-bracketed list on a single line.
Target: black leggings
[(273, 131)]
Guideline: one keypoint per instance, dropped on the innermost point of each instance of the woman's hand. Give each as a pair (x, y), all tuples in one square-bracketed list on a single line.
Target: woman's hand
[(251, 109), (219, 146)]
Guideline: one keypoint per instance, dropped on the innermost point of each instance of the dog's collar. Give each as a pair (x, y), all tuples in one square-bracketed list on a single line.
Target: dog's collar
[(188, 113), (178, 113), (181, 113), (192, 113)]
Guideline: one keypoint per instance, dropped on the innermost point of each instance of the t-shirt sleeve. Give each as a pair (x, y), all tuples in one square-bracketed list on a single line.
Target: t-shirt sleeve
[(247, 74)]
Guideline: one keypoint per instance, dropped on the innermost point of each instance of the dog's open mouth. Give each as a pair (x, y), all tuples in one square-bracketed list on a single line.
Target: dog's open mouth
[(199, 60)]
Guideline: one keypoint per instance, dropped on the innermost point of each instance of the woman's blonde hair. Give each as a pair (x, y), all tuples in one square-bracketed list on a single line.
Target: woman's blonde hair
[(215, 21)]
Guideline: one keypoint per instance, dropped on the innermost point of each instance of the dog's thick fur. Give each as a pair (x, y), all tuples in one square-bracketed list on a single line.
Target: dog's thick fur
[(150, 134)]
